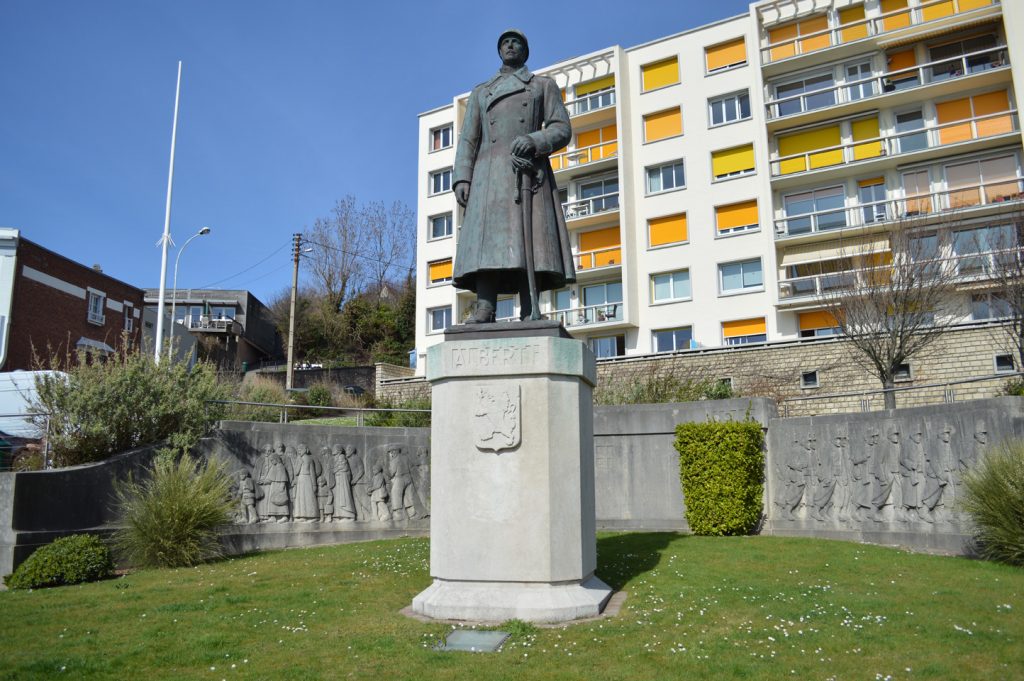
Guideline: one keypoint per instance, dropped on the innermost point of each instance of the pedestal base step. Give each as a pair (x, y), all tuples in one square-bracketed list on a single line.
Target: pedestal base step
[(501, 601)]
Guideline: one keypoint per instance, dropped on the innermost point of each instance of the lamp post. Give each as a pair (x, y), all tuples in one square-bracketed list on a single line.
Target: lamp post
[(174, 289)]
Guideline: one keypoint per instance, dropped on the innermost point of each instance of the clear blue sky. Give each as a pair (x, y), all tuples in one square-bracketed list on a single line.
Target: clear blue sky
[(286, 107)]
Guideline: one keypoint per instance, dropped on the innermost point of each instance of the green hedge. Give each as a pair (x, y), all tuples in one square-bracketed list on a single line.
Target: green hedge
[(994, 500), (721, 465), (68, 560)]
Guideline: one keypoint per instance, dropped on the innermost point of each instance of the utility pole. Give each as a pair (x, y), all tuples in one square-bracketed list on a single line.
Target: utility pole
[(296, 248)]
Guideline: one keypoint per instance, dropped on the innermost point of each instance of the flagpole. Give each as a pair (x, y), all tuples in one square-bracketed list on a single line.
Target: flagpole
[(165, 240)]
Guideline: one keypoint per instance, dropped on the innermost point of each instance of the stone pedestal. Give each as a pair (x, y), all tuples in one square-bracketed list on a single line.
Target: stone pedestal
[(512, 524)]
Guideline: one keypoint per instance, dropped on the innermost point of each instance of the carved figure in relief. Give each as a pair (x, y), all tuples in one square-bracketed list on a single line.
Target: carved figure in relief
[(260, 471), (886, 470), (378, 492), (277, 484), (304, 486), (496, 419), (344, 504), (828, 494), (325, 485), (421, 477), (937, 472), (910, 478), (860, 491), (402, 490), (359, 481), (797, 468), (247, 498)]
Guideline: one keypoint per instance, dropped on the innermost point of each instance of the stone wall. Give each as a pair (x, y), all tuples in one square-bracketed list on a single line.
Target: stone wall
[(403, 390), (364, 377)]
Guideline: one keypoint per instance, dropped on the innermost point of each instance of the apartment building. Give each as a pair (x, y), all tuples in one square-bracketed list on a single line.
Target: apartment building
[(721, 180)]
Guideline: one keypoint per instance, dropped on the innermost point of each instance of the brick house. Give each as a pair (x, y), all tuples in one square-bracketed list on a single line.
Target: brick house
[(53, 305)]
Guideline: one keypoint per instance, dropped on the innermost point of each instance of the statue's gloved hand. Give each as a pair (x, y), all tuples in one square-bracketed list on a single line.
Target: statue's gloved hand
[(462, 193), (522, 163), (524, 146)]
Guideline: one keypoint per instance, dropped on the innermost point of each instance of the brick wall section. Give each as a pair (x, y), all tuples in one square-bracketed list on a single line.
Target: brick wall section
[(773, 370), (44, 317)]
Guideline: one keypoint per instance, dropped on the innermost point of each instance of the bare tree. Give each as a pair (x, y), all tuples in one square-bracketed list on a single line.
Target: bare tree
[(999, 253), (889, 303), (389, 242), (335, 261)]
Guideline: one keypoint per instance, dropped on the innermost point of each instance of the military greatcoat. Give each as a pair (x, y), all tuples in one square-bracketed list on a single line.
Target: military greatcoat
[(491, 238)]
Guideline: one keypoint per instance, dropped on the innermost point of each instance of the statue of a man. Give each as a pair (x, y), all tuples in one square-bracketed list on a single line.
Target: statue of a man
[(513, 237)]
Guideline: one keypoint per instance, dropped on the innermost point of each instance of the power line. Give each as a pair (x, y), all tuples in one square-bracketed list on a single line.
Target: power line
[(253, 266), (357, 255)]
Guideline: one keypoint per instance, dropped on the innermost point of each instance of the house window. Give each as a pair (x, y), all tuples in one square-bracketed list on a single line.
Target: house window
[(730, 108), (807, 94), (670, 340), (737, 217), (670, 229), (815, 211), (871, 195), (808, 379), (906, 123), (733, 162), (439, 272), (745, 331), (608, 346), (902, 373), (195, 314), (441, 181), (1004, 364), (97, 301), (670, 286), (725, 55), (663, 124), (441, 226), (734, 277), (439, 319), (818, 324), (989, 306), (222, 312), (441, 138), (129, 317), (667, 177), (659, 74)]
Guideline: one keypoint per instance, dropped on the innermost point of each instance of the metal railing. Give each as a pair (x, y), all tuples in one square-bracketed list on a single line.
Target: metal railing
[(890, 81), (912, 206), (212, 324), (598, 259), (593, 102), (594, 205), (866, 396), (584, 155), (285, 409), (906, 142), (591, 314), (885, 22)]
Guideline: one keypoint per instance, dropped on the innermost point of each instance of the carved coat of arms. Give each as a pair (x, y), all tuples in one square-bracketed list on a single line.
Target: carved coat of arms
[(496, 418)]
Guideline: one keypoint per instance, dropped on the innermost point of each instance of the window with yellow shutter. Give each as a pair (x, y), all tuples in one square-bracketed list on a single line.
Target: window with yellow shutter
[(599, 248), (663, 124), (670, 229), (732, 162), (725, 55), (796, 150), (743, 331), (439, 271), (737, 217), (800, 37), (659, 74), (984, 108), (818, 323)]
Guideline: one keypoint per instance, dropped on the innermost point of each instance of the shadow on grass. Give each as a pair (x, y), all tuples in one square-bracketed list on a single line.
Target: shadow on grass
[(622, 557)]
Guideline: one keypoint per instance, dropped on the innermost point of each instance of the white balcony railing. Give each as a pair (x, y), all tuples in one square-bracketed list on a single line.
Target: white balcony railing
[(885, 22), (912, 206), (594, 102), (219, 324), (591, 314), (584, 155), (890, 81), (591, 206), (599, 259), (895, 144)]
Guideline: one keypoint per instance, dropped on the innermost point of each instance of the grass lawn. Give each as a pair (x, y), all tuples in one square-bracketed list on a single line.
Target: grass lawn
[(698, 608), (328, 421)]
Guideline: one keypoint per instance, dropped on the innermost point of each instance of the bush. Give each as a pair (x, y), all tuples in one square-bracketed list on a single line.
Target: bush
[(100, 408), (320, 395), (994, 500), (1014, 386), (259, 389), (721, 465), (652, 387), (170, 518), (68, 560), (399, 419)]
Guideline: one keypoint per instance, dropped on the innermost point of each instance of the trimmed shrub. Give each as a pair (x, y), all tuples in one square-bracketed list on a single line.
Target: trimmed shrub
[(68, 560), (994, 500), (721, 464), (170, 519), (401, 419)]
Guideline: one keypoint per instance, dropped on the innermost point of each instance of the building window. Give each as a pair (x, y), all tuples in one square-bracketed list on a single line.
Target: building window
[(991, 180), (734, 162), (729, 109), (441, 181), (129, 317), (597, 94), (737, 217), (902, 373), (734, 277), (809, 379), (659, 74), (608, 346), (984, 250), (799, 37), (818, 324), (807, 94), (222, 312), (1004, 364), (602, 303), (663, 124), (439, 272), (871, 195), (670, 286), (665, 178), (97, 301), (441, 138), (439, 319), (989, 306), (745, 331), (815, 211), (670, 340), (506, 310), (860, 81), (952, 61), (725, 55), (667, 230), (596, 196), (800, 152), (906, 123), (441, 226)]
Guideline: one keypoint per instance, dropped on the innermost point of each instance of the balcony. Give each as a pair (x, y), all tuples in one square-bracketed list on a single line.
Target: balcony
[(915, 141), (205, 324), (595, 108), (592, 315), (598, 259), (922, 18), (827, 99), (975, 198), (575, 162), (591, 210)]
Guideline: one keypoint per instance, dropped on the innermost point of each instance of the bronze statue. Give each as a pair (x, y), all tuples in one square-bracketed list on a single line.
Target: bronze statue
[(513, 237)]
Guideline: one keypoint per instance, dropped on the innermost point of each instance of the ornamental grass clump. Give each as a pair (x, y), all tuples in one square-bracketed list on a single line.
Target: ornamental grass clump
[(170, 518), (994, 500), (68, 560)]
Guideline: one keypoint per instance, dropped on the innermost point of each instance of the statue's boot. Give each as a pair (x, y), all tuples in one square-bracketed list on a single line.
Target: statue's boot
[(483, 313)]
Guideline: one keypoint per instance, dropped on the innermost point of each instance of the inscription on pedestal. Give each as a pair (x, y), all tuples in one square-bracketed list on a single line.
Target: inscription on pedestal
[(482, 357)]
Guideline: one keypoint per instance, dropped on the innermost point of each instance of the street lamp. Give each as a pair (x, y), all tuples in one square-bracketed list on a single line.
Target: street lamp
[(174, 290)]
